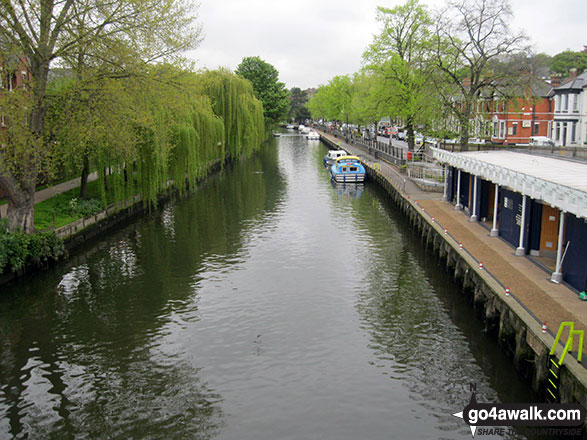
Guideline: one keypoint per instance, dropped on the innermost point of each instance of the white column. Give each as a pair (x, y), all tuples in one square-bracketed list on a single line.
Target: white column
[(445, 171), (458, 206), (557, 276), (474, 213), (521, 251), (494, 231)]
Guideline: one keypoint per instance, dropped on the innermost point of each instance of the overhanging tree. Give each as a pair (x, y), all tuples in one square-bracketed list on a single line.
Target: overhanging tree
[(43, 32)]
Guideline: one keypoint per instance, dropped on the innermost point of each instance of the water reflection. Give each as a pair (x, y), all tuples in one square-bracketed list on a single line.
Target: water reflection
[(422, 332), (265, 305), (348, 190), (90, 349)]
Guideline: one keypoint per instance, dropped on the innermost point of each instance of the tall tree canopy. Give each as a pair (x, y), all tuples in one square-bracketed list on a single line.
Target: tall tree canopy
[(298, 100), (49, 32), (333, 101), (473, 38), (398, 57), (268, 89), (565, 61)]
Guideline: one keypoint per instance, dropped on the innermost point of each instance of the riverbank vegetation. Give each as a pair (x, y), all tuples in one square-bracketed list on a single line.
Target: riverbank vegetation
[(107, 92)]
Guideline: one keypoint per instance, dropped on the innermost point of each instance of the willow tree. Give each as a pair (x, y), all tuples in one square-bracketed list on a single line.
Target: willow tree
[(197, 142), (42, 32), (233, 100), (90, 121)]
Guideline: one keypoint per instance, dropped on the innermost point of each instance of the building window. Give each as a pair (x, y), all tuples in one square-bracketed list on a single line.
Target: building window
[(495, 127), (558, 131), (536, 128), (573, 132), (501, 129), (575, 103), (515, 128), (557, 103), (566, 104)]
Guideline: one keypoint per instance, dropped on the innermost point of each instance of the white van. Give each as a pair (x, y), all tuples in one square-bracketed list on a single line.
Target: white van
[(541, 141)]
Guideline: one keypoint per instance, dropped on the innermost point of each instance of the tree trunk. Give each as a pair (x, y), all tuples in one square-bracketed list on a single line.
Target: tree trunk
[(83, 192), (20, 191), (466, 114), (21, 204), (410, 127)]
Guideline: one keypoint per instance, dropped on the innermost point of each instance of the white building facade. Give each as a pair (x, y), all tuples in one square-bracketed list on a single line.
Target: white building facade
[(569, 127)]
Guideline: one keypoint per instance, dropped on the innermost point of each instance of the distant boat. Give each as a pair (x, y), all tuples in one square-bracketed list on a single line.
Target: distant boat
[(332, 155), (347, 169), (313, 135), (290, 127), (276, 134)]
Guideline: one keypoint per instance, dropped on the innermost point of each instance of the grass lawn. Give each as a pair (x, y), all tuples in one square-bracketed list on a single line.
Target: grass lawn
[(57, 211)]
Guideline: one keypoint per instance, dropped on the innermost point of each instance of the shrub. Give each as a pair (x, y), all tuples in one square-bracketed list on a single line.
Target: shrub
[(18, 249)]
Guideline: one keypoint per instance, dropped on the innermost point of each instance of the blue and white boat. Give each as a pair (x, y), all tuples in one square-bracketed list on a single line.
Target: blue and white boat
[(332, 155), (347, 169)]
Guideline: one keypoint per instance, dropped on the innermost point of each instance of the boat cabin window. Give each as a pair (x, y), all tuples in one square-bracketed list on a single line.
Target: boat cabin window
[(352, 169)]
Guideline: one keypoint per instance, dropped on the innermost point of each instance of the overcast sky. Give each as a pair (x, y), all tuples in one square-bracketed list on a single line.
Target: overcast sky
[(311, 41)]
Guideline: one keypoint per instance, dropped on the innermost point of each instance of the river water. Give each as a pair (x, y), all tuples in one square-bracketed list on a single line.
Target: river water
[(267, 305)]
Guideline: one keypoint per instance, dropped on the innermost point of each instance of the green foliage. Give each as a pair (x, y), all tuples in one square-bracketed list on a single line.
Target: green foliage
[(272, 93), (21, 152), (65, 208), (18, 249), (98, 40), (234, 102), (298, 110), (565, 61), (333, 101), (143, 135)]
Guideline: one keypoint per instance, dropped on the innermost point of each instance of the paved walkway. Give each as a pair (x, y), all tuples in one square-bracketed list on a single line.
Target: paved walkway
[(530, 285), (49, 192)]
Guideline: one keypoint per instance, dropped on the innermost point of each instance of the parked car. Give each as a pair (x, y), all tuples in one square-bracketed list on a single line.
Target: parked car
[(541, 141), (431, 140), (402, 135)]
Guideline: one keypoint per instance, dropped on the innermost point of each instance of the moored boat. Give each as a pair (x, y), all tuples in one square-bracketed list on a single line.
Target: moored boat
[(332, 155), (348, 169), (313, 135)]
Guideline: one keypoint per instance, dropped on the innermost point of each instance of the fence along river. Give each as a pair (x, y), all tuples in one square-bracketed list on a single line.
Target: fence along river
[(267, 305)]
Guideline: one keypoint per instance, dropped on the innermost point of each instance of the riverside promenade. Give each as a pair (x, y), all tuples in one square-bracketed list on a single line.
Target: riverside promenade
[(529, 284), (51, 191)]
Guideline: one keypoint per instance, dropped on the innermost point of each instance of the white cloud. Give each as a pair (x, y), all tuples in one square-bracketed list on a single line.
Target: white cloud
[(309, 42)]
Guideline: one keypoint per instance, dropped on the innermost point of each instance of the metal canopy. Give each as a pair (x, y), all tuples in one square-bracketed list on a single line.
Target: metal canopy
[(560, 183)]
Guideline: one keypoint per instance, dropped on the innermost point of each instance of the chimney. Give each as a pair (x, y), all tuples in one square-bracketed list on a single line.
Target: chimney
[(572, 74), (555, 80)]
